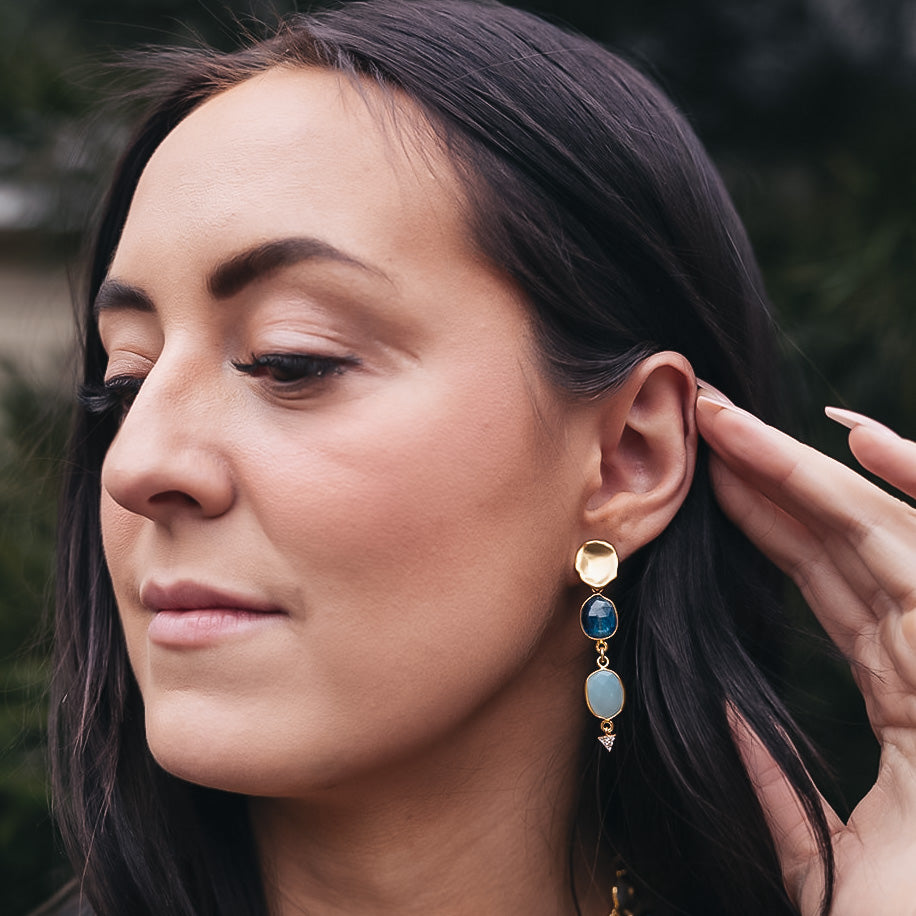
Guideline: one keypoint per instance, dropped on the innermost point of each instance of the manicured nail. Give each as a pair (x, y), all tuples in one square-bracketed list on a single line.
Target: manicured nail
[(711, 394), (850, 419)]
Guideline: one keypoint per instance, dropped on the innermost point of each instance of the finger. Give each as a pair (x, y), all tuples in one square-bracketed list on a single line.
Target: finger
[(795, 842), (893, 459), (796, 476), (879, 449), (830, 499), (840, 591), (842, 607)]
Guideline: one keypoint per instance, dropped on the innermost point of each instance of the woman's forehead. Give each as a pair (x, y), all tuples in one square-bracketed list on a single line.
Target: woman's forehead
[(300, 149)]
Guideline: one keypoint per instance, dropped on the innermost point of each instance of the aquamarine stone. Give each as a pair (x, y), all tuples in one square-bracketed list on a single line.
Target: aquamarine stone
[(599, 617), (604, 693)]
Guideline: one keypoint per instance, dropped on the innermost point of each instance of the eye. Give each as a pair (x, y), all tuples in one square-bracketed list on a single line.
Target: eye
[(114, 395), (295, 369)]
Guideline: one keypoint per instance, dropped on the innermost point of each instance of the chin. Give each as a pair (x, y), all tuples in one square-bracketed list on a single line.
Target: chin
[(198, 751), (206, 746), (241, 753)]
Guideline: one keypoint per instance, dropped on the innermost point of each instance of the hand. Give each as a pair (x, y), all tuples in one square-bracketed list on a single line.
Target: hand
[(851, 549)]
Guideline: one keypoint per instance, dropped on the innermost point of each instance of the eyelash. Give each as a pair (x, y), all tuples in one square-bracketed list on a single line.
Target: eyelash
[(114, 394), (291, 368), (289, 371)]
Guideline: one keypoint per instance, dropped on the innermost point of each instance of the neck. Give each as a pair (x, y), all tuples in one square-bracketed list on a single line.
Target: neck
[(480, 823)]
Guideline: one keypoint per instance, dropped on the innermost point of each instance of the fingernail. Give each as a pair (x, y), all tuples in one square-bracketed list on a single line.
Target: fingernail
[(711, 394), (850, 419)]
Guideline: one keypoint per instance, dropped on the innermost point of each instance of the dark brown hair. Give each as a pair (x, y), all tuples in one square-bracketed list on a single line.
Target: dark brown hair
[(592, 193)]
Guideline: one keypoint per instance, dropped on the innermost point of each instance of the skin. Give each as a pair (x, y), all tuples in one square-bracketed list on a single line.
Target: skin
[(849, 546), (408, 723)]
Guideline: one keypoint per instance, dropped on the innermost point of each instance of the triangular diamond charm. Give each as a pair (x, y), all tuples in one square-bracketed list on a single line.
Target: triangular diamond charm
[(607, 741)]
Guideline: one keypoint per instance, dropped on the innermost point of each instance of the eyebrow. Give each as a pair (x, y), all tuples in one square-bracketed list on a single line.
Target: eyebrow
[(115, 294), (231, 276)]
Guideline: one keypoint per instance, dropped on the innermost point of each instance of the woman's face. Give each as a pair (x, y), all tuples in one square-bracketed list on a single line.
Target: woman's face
[(340, 512)]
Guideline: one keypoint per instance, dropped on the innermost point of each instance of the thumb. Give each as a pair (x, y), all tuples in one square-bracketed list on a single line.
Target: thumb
[(793, 836)]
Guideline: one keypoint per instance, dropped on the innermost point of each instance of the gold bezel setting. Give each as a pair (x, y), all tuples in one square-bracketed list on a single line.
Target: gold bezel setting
[(623, 694), (582, 612), (596, 563)]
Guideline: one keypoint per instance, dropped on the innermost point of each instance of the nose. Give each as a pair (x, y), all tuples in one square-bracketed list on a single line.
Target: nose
[(167, 459)]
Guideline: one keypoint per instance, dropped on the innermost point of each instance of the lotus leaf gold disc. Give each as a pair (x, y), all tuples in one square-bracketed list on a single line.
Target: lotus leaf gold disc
[(596, 563)]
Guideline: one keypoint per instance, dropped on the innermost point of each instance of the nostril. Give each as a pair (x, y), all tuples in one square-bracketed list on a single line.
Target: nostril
[(172, 497), (167, 482)]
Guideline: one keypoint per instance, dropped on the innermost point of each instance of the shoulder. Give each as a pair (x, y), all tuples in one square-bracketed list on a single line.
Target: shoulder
[(66, 902)]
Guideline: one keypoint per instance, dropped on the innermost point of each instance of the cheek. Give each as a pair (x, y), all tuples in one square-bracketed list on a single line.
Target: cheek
[(433, 489), (429, 538), (121, 532), (121, 538)]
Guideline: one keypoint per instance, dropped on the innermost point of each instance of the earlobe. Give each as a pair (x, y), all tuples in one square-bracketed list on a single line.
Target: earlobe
[(647, 454)]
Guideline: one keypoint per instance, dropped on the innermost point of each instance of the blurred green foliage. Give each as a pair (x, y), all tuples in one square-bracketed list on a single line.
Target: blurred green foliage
[(32, 422), (809, 107)]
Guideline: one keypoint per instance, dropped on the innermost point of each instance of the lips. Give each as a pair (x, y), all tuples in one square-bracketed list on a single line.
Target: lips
[(191, 596), (190, 615)]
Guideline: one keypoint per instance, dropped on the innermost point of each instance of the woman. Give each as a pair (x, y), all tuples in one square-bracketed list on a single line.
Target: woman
[(389, 314)]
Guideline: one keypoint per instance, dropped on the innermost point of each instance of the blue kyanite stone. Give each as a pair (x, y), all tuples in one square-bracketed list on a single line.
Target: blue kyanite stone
[(604, 693), (599, 617)]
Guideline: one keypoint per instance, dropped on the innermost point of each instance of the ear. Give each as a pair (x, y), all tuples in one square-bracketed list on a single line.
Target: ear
[(643, 455)]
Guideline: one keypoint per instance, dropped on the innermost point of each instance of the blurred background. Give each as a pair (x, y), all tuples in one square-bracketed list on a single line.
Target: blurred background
[(809, 109)]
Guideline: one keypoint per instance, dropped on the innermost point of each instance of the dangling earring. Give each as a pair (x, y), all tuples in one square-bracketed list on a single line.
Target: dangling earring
[(620, 894), (596, 564)]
